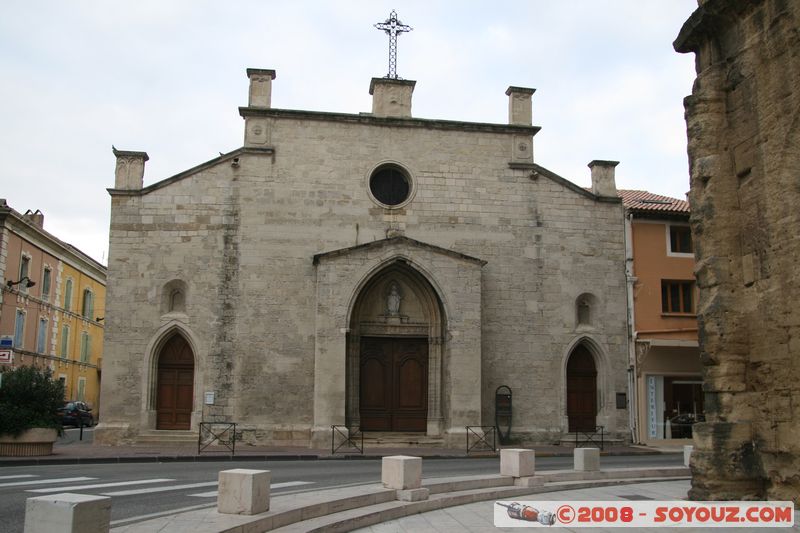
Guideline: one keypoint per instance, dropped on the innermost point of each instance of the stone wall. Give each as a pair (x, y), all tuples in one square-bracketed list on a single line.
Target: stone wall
[(743, 120)]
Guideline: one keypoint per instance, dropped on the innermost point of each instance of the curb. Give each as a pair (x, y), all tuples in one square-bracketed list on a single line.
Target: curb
[(49, 460)]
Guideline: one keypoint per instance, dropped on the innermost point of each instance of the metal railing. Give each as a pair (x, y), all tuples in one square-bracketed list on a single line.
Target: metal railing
[(480, 438), (217, 433), (349, 439), (590, 438)]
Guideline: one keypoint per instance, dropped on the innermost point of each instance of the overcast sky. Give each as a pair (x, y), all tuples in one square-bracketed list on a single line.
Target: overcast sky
[(167, 77)]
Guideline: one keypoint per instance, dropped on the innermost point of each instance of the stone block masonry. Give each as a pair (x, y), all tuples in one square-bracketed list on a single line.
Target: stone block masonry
[(743, 123)]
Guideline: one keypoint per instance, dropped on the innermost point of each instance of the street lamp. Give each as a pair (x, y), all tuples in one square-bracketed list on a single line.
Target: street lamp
[(28, 282)]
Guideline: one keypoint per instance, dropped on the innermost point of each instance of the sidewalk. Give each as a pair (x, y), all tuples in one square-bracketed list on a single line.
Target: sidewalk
[(479, 517), (70, 450)]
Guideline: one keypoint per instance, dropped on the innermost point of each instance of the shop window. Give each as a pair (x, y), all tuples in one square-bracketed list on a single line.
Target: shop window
[(677, 296), (675, 404)]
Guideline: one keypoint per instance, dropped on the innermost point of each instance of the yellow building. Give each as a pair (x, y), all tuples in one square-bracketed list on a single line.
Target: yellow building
[(52, 305), (79, 336)]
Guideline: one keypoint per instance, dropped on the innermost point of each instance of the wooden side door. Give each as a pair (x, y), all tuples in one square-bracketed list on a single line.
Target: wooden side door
[(376, 384), (410, 384), (581, 391), (175, 386), (394, 384)]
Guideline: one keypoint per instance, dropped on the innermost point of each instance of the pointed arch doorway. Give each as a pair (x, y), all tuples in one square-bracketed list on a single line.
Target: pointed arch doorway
[(581, 390), (175, 385), (394, 354)]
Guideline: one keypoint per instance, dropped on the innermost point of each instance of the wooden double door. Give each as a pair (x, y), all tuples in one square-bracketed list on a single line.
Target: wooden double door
[(581, 391), (175, 387), (393, 384)]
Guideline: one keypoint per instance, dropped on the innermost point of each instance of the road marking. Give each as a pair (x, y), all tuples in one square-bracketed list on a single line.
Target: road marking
[(160, 489), (215, 493), (17, 477), (46, 481), (161, 513), (101, 485)]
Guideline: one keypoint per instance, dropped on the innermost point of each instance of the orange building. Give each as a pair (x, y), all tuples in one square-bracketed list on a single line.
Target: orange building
[(52, 305), (665, 371)]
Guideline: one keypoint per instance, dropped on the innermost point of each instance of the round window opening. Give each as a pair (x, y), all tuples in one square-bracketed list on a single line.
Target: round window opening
[(390, 185)]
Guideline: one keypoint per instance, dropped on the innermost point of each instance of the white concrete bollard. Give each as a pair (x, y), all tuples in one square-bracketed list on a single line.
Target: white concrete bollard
[(68, 513), (243, 491), (517, 462), (404, 474), (587, 459), (401, 472), (687, 454)]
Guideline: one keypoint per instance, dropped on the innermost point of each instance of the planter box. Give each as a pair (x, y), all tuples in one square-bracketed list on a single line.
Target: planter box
[(36, 441)]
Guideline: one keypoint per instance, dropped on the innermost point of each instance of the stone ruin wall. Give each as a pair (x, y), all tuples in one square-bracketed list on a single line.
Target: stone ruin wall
[(743, 122)]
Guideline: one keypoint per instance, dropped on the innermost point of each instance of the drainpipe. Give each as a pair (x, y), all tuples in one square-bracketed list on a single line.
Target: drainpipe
[(633, 401)]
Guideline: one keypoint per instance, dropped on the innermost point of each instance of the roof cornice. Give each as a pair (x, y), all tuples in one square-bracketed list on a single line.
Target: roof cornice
[(394, 122)]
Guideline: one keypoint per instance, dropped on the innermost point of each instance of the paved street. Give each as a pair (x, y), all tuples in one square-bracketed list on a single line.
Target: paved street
[(144, 490)]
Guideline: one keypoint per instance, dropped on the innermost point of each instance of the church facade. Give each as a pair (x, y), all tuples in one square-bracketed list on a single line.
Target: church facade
[(377, 270)]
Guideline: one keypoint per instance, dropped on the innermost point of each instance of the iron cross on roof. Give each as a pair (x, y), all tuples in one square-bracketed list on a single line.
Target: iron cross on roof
[(393, 27)]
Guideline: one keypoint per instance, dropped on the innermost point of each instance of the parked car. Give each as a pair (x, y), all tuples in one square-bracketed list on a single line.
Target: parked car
[(76, 414)]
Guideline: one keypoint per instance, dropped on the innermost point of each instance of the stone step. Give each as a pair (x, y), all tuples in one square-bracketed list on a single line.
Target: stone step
[(344, 509), (360, 517), (374, 439), (166, 438)]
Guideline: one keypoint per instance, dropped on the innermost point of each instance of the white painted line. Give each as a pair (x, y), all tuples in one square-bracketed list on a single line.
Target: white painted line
[(160, 489), (46, 481), (215, 493), (17, 477), (143, 517), (101, 485)]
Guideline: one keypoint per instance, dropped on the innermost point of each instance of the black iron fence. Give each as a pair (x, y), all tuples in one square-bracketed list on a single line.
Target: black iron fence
[(217, 434), (481, 438), (587, 439), (346, 439)]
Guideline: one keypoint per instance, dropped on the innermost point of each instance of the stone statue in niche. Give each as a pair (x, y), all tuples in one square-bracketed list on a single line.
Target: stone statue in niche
[(393, 300)]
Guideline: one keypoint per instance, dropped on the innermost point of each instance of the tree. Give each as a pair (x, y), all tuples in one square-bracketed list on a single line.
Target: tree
[(29, 398)]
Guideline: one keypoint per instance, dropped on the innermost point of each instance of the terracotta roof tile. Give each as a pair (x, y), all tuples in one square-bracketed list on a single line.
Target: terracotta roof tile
[(647, 201)]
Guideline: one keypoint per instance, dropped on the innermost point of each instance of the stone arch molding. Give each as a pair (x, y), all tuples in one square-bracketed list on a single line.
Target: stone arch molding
[(394, 258), (150, 369), (450, 279), (419, 314), (604, 380)]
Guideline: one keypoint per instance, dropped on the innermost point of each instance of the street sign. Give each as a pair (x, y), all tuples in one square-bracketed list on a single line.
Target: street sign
[(6, 341), (6, 357)]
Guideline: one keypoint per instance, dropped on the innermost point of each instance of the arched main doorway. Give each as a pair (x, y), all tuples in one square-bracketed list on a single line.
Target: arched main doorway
[(394, 354), (175, 385), (581, 390)]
